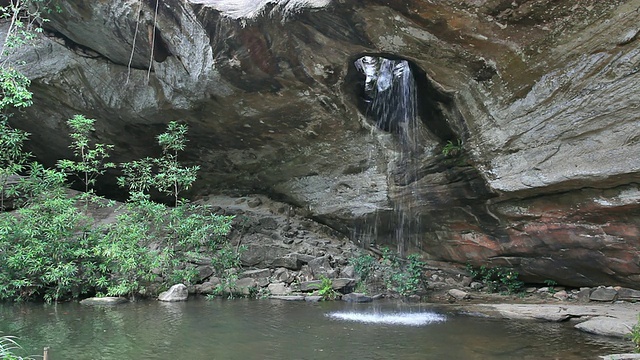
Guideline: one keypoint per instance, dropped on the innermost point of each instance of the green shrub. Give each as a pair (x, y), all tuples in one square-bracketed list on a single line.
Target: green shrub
[(364, 265), (91, 158), (451, 149), (325, 289), (47, 245), (12, 157), (153, 242), (497, 278), (403, 277), (52, 249)]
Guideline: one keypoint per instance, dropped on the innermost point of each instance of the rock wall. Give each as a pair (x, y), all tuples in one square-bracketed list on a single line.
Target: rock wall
[(543, 96)]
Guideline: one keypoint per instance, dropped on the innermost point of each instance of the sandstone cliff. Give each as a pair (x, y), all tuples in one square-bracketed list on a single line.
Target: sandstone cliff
[(543, 97)]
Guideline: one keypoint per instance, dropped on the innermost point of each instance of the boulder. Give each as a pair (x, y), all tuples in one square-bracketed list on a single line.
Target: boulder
[(178, 292), (244, 286), (321, 267), (204, 272), (627, 294), (279, 289), (584, 294), (208, 287), (310, 285), (603, 294), (348, 272), (290, 261), (458, 294), (356, 298), (602, 325), (343, 285), (561, 295), (312, 298), (255, 274), (107, 300), (283, 275)]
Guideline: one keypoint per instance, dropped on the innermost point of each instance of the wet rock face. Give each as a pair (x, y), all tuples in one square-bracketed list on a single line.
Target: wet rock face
[(543, 96)]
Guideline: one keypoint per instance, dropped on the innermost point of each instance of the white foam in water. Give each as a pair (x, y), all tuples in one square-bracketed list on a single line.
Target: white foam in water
[(409, 319)]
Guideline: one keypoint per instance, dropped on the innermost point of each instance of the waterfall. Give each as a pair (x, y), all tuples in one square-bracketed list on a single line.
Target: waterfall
[(391, 94), (391, 97)]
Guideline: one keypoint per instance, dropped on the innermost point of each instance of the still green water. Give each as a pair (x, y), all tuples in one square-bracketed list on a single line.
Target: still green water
[(272, 329)]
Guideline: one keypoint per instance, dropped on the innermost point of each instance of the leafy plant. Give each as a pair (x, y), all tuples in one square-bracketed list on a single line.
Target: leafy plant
[(91, 157), (46, 245), (14, 88), (12, 157), (52, 250), (402, 276), (25, 19), (165, 173), (497, 278), (9, 348), (634, 335), (173, 178), (152, 242), (551, 283), (325, 289), (364, 265), (452, 149)]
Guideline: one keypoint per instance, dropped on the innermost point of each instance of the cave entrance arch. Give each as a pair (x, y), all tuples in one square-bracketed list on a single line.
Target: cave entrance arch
[(396, 95)]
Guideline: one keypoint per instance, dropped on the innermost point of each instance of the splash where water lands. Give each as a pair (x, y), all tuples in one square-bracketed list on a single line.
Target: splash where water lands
[(407, 319)]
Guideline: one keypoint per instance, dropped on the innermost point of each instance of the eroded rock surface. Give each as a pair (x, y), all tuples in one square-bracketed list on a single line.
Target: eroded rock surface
[(543, 97)]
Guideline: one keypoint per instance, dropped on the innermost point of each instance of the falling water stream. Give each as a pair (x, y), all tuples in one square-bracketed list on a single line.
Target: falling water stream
[(390, 93), (273, 329)]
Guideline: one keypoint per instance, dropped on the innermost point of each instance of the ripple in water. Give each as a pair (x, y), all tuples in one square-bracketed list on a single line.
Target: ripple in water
[(409, 319)]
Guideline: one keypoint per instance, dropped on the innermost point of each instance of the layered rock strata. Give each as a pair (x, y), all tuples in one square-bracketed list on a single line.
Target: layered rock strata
[(541, 95)]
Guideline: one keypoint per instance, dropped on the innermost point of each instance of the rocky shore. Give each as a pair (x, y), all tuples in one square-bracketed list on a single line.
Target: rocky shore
[(286, 255)]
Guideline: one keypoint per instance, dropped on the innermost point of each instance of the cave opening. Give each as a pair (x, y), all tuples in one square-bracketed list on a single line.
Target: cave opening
[(396, 95)]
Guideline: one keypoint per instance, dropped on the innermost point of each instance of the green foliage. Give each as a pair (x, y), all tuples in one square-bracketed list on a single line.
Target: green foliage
[(12, 157), (402, 277), (14, 89), (551, 283), (451, 149), (138, 176), (173, 178), (364, 265), (46, 245), (497, 278), (165, 173), (634, 335), (49, 248), (325, 289), (9, 348), (52, 250), (152, 242), (25, 20), (91, 157)]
